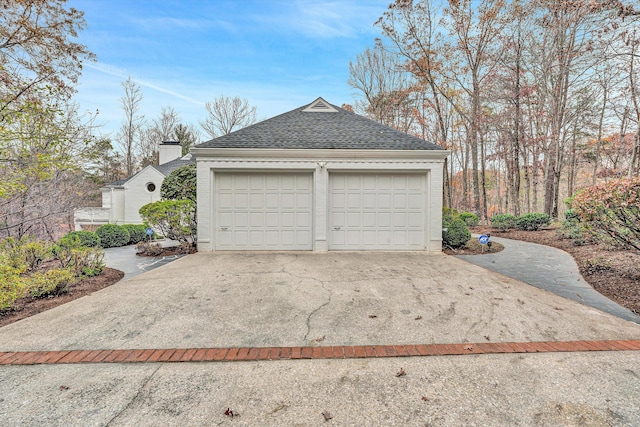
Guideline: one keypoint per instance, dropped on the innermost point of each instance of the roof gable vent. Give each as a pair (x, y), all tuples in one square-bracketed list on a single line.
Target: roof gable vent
[(320, 106)]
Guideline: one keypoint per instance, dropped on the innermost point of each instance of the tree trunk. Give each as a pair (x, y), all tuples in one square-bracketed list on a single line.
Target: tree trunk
[(605, 94)]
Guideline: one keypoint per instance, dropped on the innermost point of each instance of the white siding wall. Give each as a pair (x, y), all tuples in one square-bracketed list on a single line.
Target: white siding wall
[(136, 194), (207, 168), (106, 198), (117, 206)]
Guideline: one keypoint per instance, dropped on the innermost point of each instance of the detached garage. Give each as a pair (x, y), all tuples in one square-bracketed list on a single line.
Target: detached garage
[(319, 178)]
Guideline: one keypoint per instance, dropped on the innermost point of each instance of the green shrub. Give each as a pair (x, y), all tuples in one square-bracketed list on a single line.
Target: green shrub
[(572, 229), (470, 219), (81, 260), (180, 184), (137, 232), (532, 221), (174, 219), (448, 215), (457, 234), (503, 221), (80, 238), (11, 254), (51, 282), (34, 253), (112, 235), (11, 286), (25, 253), (611, 211)]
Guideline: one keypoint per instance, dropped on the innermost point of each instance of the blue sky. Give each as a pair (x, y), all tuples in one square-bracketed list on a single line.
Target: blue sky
[(277, 54)]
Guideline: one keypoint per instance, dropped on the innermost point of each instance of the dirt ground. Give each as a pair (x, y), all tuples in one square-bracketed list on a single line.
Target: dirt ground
[(615, 274)]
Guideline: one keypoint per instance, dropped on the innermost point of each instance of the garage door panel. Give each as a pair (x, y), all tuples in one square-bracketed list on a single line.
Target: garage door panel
[(415, 220), (240, 201), (383, 211), (339, 200), (369, 219), (303, 237), (303, 200), (256, 239), (385, 201), (288, 200), (303, 220), (384, 219), (272, 219), (384, 182), (369, 200), (383, 238), (400, 219), (353, 200), (353, 183), (415, 201), (263, 211), (225, 200)]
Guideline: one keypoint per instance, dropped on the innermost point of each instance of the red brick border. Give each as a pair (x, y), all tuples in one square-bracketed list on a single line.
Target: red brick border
[(320, 352)]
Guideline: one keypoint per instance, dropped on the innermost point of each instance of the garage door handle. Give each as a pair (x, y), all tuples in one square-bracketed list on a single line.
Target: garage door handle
[(224, 228), (337, 228)]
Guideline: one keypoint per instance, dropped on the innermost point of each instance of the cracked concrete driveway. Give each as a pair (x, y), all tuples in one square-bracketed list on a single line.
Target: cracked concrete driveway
[(288, 299), (299, 299)]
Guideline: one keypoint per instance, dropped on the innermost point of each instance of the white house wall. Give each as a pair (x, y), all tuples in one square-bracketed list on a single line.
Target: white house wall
[(207, 167), (136, 194), (116, 215)]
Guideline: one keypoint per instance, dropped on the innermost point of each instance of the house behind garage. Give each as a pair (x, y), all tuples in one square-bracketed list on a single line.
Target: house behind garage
[(121, 200), (319, 178)]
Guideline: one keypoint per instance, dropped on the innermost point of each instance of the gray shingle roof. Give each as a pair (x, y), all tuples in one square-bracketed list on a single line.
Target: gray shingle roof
[(165, 169), (298, 129)]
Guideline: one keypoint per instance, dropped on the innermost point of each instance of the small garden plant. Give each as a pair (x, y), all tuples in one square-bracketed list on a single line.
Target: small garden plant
[(33, 268)]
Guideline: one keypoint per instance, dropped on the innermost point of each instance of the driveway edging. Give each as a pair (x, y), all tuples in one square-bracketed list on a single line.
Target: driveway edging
[(234, 354)]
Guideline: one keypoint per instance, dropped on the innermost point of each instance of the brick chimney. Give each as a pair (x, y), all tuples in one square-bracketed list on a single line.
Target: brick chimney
[(169, 150)]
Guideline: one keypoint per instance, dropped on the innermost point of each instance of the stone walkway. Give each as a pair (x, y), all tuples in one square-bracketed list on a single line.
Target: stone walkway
[(547, 268)]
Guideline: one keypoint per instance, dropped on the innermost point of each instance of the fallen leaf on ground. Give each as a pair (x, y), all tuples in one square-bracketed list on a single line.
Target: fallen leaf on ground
[(401, 373), (372, 316), (327, 415)]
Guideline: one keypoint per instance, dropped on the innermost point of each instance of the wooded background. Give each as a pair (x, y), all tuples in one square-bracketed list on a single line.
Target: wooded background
[(536, 99)]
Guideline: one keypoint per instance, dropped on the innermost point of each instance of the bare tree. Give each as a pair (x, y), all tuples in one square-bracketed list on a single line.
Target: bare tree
[(37, 52), (160, 129), (381, 77), (132, 123), (227, 114)]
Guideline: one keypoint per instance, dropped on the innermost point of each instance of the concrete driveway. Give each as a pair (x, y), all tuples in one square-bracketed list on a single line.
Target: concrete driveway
[(332, 299)]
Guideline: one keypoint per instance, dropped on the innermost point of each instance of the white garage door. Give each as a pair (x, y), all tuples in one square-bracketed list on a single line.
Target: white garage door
[(377, 211), (263, 211)]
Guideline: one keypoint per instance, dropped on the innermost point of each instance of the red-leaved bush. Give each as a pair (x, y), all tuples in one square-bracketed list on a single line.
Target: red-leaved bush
[(612, 210)]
